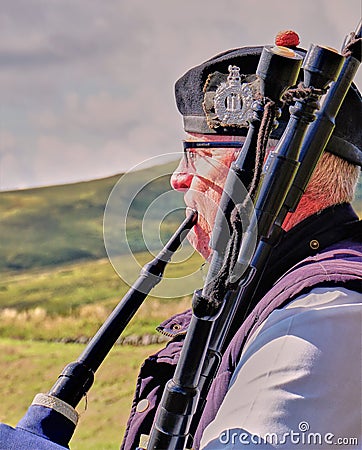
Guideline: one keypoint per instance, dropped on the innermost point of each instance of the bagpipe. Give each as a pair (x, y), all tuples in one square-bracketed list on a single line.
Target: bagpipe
[(247, 227)]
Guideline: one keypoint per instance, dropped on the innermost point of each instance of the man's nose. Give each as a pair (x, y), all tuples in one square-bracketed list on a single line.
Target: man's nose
[(181, 178)]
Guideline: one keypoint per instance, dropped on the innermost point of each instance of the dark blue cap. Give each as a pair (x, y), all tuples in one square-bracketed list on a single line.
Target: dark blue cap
[(346, 140)]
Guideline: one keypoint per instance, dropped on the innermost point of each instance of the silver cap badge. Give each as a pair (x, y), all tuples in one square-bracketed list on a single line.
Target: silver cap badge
[(233, 100)]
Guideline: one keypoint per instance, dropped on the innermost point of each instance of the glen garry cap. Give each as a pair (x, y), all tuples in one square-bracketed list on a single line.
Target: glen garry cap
[(197, 86)]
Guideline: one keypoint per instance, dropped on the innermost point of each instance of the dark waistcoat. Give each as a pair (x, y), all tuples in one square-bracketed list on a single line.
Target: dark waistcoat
[(337, 264)]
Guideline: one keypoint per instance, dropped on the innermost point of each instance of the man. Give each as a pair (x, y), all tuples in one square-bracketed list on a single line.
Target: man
[(296, 379)]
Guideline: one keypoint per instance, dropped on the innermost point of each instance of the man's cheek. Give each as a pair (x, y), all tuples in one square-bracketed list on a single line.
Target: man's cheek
[(199, 239)]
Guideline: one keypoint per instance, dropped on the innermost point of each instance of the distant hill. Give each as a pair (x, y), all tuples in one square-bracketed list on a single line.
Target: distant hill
[(58, 224), (54, 225)]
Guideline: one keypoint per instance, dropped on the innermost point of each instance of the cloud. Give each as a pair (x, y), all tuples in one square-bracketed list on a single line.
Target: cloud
[(54, 159), (7, 141), (98, 76)]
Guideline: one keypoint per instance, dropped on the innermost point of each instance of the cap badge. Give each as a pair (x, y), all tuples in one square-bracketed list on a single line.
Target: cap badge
[(233, 100), (230, 104)]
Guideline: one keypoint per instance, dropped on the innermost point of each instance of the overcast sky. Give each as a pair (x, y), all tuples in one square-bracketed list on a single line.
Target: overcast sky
[(87, 85)]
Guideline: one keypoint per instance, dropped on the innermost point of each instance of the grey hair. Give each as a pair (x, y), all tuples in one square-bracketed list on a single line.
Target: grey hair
[(334, 180)]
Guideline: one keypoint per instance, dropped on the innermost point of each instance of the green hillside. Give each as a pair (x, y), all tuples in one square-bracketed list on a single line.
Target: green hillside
[(28, 368), (59, 224), (51, 226)]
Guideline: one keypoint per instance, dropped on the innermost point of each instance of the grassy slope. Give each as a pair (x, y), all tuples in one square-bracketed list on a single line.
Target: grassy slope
[(73, 301), (31, 367), (57, 224)]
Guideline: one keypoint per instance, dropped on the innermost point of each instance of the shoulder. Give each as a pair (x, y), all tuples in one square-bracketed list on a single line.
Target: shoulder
[(307, 346), (326, 317), (302, 365)]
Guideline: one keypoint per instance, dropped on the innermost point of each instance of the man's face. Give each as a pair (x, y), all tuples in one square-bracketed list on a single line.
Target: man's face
[(201, 174)]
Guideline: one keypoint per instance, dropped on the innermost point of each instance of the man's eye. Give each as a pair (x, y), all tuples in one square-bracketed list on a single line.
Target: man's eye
[(192, 155)]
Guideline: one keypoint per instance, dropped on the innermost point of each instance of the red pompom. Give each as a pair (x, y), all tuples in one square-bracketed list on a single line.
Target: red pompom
[(287, 38)]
